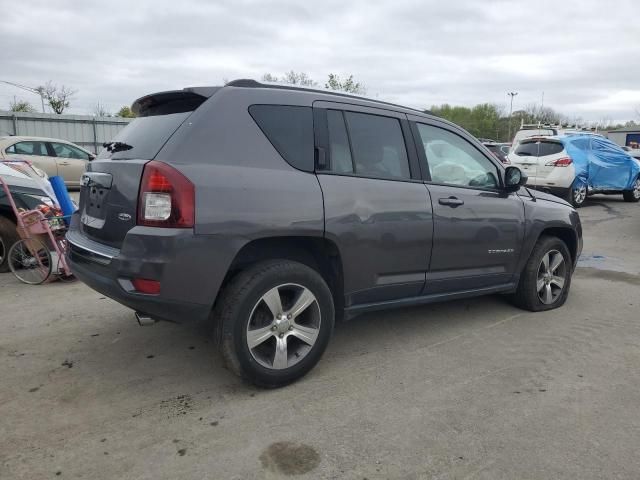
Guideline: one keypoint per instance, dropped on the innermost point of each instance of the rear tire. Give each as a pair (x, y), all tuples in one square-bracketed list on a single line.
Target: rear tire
[(577, 194), (546, 278), (275, 320), (8, 236), (633, 195)]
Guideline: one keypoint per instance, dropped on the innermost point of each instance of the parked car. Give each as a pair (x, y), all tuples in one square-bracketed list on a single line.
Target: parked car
[(27, 194), (274, 210), (575, 166), (497, 149), (54, 157)]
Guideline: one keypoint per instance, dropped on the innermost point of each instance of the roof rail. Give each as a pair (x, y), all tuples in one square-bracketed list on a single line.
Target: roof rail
[(250, 83)]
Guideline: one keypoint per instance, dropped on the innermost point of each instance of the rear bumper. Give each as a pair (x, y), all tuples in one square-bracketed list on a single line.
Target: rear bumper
[(558, 177), (101, 280), (189, 268)]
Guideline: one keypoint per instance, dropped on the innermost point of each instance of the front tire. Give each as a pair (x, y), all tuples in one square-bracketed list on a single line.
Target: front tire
[(633, 195), (275, 320), (546, 278)]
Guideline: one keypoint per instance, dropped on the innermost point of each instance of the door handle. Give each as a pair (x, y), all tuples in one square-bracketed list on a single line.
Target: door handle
[(451, 201)]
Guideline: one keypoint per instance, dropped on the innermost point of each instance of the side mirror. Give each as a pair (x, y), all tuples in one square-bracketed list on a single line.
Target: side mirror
[(514, 179), (92, 156)]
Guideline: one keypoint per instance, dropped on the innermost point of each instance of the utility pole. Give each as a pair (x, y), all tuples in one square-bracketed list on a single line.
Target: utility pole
[(511, 94), (28, 89)]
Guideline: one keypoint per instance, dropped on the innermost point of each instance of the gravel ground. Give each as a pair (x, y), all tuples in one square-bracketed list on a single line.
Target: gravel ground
[(466, 389)]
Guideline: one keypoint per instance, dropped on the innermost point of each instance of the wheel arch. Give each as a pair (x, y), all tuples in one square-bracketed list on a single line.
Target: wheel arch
[(318, 253), (567, 235)]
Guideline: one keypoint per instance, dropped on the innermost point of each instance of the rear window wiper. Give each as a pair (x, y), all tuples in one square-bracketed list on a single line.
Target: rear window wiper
[(114, 147)]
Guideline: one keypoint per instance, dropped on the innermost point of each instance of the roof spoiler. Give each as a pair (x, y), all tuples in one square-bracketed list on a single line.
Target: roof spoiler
[(172, 101)]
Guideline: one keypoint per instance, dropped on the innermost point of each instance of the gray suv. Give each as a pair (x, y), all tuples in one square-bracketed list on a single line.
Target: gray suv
[(275, 211)]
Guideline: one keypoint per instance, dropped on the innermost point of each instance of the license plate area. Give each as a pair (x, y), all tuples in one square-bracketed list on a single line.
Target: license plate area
[(94, 205)]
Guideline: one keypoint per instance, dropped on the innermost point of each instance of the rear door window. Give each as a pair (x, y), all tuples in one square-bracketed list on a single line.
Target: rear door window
[(339, 150), (28, 148), (290, 131), (377, 146), (539, 149)]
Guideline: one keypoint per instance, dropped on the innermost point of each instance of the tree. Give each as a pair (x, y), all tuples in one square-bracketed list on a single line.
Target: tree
[(21, 106), (301, 78), (58, 98), (101, 111), (483, 120), (292, 78), (125, 112), (267, 77), (349, 85)]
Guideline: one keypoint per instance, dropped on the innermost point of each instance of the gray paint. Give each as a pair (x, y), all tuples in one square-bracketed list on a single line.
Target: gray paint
[(397, 244)]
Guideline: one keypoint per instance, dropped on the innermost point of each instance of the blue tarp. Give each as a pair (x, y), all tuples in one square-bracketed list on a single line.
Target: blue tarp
[(599, 163)]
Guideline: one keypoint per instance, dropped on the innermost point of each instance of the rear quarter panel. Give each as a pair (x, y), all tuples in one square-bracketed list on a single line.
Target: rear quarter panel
[(244, 189)]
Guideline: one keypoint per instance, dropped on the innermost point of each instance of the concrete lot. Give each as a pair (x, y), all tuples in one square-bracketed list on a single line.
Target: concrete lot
[(468, 389)]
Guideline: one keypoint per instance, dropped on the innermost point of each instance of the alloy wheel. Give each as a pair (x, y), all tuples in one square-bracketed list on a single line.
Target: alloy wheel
[(579, 194), (283, 326), (636, 189), (552, 274)]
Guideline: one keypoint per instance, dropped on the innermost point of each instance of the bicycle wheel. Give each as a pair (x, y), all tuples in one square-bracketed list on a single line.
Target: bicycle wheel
[(30, 261)]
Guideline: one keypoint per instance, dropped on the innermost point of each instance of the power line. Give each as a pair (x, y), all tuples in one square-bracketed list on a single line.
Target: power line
[(28, 89)]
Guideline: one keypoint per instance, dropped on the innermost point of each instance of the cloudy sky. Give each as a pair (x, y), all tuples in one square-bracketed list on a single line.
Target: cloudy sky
[(584, 55)]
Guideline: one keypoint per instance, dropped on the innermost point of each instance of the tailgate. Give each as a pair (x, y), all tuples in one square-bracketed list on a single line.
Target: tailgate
[(109, 199), (110, 186)]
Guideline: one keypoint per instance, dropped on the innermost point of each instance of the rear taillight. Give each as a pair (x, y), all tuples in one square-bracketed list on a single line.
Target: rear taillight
[(166, 198), (560, 162)]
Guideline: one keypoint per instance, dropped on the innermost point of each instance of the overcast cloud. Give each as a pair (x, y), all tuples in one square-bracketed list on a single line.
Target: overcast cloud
[(584, 55)]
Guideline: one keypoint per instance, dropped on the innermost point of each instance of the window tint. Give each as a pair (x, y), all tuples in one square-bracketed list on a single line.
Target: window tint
[(290, 130), (339, 151), (452, 160), (146, 136), (28, 148), (69, 151), (539, 149), (377, 145)]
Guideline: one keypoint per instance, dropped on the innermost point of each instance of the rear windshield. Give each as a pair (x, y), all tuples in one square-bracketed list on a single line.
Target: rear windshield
[(538, 149), (146, 136), (538, 132)]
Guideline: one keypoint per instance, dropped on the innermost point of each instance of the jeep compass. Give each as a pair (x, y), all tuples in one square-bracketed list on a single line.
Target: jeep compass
[(274, 210)]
